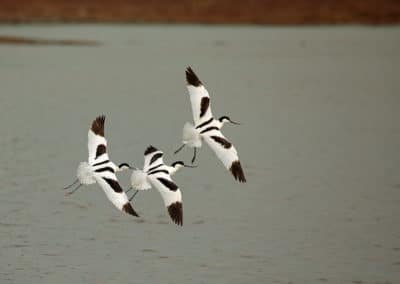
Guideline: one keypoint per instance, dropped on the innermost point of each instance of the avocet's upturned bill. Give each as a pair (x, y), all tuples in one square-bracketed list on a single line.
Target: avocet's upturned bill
[(100, 169), (155, 172), (207, 128)]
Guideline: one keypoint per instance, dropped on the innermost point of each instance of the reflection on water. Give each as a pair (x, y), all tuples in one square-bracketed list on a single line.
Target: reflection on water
[(318, 142)]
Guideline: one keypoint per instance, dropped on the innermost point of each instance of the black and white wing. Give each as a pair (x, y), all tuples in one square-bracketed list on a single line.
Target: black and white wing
[(199, 98), (105, 174), (170, 194), (97, 144), (152, 158), (226, 152), (109, 183)]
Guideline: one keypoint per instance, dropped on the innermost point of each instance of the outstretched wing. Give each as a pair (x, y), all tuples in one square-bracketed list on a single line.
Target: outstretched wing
[(199, 98), (152, 157), (107, 180), (105, 175), (97, 144), (226, 152), (170, 194)]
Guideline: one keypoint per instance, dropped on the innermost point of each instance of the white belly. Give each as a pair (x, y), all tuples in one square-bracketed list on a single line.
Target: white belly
[(85, 173), (139, 180), (191, 136)]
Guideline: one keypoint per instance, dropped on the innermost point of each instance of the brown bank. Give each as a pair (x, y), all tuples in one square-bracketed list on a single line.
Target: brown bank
[(284, 12)]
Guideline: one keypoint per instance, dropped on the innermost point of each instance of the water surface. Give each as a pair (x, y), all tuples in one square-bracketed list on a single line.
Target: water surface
[(319, 143)]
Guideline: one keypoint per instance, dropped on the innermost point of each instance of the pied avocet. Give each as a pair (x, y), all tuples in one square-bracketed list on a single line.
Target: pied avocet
[(155, 172), (101, 170), (207, 128)]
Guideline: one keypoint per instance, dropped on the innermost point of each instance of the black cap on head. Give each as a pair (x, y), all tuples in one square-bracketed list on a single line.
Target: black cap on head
[(124, 164), (222, 118)]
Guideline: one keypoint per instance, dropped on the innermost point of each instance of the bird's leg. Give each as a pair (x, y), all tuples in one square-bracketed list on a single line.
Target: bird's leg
[(180, 148), (130, 199), (129, 189), (71, 184), (70, 192), (194, 155)]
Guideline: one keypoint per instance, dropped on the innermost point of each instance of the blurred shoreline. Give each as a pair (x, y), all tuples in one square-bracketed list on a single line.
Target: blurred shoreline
[(18, 40), (273, 12)]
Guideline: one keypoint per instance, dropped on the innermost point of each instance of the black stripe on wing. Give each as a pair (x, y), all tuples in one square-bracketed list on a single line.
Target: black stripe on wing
[(150, 150), (209, 129), (101, 163), (205, 123), (222, 141), (176, 212), (98, 125), (169, 184), (105, 169), (155, 167), (237, 171), (101, 149), (204, 105), (155, 157), (158, 171), (114, 185), (129, 209), (191, 78)]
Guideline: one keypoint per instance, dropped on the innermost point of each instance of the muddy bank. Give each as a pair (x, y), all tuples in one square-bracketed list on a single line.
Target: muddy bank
[(275, 12)]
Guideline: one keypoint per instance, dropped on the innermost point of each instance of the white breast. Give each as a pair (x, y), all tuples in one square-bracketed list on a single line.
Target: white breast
[(85, 173), (139, 180), (191, 136)]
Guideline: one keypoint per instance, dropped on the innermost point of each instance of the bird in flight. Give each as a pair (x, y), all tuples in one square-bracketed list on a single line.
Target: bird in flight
[(99, 169), (207, 128), (156, 173)]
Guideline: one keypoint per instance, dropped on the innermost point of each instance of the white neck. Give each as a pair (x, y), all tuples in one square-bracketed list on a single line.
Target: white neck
[(173, 170), (118, 169), (220, 124)]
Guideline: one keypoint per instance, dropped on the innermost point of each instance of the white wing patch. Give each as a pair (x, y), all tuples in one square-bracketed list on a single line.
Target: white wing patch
[(199, 98), (97, 144), (225, 152), (152, 157), (201, 105), (170, 194), (115, 193), (94, 141), (105, 171)]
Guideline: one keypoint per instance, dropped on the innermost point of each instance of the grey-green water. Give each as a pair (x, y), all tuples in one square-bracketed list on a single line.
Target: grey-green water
[(319, 143)]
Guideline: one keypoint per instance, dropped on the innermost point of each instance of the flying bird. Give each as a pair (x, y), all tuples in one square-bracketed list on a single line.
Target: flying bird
[(207, 128), (99, 169), (156, 173)]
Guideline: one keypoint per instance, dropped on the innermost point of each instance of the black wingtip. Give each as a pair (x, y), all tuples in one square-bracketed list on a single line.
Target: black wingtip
[(176, 212), (150, 150), (237, 171), (191, 78), (98, 125), (129, 209)]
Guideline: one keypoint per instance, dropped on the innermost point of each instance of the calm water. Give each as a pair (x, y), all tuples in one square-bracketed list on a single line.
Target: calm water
[(319, 142)]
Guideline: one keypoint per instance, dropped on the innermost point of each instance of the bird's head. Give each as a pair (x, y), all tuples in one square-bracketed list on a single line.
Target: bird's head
[(124, 166), (179, 164), (225, 118)]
